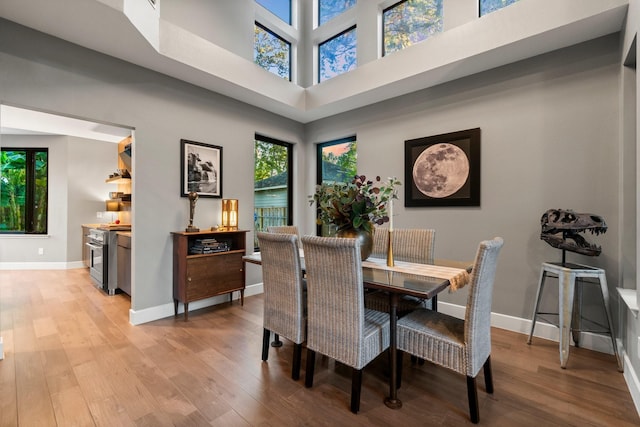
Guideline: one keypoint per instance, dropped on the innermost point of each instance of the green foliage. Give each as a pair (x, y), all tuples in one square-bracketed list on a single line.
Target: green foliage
[(13, 191), (345, 163), (355, 204), (270, 160)]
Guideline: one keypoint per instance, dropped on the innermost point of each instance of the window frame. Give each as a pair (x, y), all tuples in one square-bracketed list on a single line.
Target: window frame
[(382, 21), (319, 147), (30, 191), (288, 43), (289, 22), (319, 59), (319, 10), (289, 146)]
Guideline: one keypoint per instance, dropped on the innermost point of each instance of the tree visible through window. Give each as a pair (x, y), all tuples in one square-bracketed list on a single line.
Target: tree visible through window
[(272, 193), (337, 55), (328, 9), (488, 6), (23, 190), (409, 22), (271, 52), (336, 162)]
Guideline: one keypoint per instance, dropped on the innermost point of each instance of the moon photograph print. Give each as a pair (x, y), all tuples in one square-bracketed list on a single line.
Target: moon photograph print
[(443, 170)]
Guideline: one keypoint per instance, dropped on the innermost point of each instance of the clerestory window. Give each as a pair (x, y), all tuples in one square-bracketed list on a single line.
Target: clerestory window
[(337, 55), (409, 22), (272, 52), (329, 9), (280, 8), (488, 6)]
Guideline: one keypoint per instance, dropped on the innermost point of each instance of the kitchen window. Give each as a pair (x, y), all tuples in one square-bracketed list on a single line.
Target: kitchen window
[(24, 186)]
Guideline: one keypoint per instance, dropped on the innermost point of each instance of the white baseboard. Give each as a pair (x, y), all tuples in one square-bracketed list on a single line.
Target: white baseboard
[(64, 265), (138, 317), (631, 378), (588, 340)]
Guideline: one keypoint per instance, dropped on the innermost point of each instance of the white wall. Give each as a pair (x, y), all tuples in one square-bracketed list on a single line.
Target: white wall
[(77, 170), (45, 73), (549, 132)]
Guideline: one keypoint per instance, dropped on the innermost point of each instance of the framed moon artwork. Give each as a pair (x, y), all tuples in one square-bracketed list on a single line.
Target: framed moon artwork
[(443, 170)]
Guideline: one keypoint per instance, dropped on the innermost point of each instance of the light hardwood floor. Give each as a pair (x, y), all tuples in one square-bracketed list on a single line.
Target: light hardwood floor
[(72, 358)]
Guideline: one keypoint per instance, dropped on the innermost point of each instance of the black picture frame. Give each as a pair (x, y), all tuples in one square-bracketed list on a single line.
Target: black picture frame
[(443, 170), (200, 169)]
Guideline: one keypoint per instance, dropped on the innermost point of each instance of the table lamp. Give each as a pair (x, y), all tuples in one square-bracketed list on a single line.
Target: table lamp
[(229, 214)]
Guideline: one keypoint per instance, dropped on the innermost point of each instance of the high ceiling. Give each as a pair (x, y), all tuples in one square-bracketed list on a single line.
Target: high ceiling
[(525, 29)]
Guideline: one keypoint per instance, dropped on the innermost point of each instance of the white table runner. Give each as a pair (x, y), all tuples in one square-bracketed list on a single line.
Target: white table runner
[(457, 277)]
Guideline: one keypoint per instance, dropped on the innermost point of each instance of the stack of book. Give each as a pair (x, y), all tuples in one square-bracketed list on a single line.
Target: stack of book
[(208, 246)]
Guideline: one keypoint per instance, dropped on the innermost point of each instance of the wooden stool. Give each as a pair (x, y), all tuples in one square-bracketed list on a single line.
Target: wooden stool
[(570, 302)]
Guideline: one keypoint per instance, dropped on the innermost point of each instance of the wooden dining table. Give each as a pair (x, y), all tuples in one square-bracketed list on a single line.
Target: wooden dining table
[(423, 281)]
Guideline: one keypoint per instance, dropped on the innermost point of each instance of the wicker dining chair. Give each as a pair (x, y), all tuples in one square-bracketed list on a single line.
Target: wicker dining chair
[(284, 229), (463, 346), (338, 325), (409, 245), (284, 294)]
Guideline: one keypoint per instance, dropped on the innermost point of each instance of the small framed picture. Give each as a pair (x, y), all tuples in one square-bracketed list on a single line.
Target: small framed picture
[(200, 169), (443, 170)]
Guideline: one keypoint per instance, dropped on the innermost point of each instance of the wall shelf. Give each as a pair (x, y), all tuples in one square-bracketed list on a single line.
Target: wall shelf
[(118, 180)]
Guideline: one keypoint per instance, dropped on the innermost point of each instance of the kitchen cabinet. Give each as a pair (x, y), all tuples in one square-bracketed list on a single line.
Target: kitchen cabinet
[(206, 264), (124, 261)]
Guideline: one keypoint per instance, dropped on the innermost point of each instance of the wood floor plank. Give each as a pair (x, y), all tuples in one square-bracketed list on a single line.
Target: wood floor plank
[(72, 358)]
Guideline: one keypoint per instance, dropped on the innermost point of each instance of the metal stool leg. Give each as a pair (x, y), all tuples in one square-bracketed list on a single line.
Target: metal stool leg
[(543, 276), (565, 303), (576, 318), (605, 296)]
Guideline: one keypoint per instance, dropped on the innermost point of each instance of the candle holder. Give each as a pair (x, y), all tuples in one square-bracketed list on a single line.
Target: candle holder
[(390, 262)]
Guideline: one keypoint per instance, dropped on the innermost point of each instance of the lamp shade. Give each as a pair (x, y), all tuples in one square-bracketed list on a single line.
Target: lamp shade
[(112, 205), (230, 214)]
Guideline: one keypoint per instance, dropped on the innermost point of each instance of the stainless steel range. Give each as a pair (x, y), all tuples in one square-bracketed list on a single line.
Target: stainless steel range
[(103, 259)]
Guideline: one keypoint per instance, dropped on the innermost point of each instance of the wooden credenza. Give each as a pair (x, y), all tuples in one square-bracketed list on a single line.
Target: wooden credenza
[(198, 276)]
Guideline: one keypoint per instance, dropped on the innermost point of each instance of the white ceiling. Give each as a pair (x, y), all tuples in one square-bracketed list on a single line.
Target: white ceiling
[(20, 121), (121, 28)]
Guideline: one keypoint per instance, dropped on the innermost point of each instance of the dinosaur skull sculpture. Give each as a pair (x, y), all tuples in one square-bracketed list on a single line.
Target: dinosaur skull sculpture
[(561, 229)]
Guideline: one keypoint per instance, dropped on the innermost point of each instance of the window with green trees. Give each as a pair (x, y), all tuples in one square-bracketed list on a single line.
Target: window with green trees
[(409, 22), (329, 9), (272, 52), (272, 190), (336, 162), (337, 55), (488, 6), (23, 190)]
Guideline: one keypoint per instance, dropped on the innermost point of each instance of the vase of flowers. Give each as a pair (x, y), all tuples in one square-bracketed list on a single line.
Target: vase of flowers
[(353, 207)]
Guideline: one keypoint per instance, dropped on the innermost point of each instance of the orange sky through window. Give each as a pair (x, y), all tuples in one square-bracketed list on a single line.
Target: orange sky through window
[(338, 149)]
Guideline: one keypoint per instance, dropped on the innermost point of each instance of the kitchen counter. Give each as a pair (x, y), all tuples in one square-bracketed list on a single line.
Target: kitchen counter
[(109, 226), (115, 227)]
